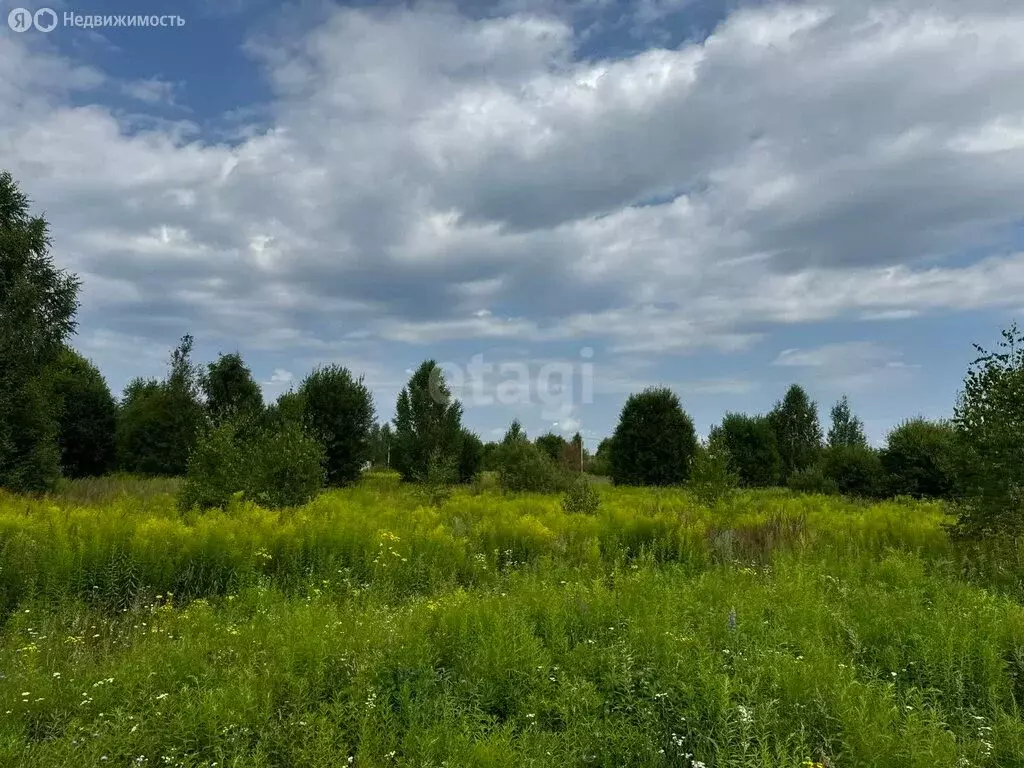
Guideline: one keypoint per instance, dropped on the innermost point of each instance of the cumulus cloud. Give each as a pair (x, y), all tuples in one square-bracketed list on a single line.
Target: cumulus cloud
[(423, 177)]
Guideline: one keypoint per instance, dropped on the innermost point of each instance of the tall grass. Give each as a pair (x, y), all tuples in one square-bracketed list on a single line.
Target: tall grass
[(370, 629)]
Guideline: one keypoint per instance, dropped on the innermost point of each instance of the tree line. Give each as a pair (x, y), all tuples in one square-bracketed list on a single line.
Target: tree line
[(210, 424)]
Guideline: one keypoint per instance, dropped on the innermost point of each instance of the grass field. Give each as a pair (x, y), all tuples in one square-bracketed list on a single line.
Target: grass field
[(368, 629)]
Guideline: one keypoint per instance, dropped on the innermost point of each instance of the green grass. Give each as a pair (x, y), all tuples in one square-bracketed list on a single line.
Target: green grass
[(502, 631)]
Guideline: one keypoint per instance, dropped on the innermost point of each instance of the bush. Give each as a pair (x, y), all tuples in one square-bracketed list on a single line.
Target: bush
[(854, 469), (522, 466), (989, 423), (812, 480), (230, 389), (470, 457), (711, 478), (581, 497), (918, 459), (797, 430), (337, 409), (654, 441), (752, 449), (275, 468), (87, 417), (428, 421)]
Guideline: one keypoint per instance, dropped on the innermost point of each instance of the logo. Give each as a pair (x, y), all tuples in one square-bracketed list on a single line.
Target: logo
[(45, 19), (22, 19)]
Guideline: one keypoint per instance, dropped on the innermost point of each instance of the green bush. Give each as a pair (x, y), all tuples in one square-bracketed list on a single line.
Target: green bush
[(752, 449), (338, 411), (856, 470), (654, 441), (812, 480), (275, 468), (711, 478), (581, 498), (918, 459), (87, 417), (522, 466)]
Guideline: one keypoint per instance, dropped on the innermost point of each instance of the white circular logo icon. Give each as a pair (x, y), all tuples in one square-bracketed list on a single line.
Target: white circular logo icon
[(45, 19), (20, 20)]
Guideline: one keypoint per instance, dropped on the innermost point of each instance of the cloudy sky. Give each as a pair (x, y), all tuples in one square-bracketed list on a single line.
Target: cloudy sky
[(564, 202)]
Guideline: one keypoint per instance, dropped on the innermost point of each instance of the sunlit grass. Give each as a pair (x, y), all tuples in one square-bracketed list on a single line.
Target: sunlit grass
[(370, 629)]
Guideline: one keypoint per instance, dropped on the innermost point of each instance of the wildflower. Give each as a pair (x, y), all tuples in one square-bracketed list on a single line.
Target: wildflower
[(732, 619)]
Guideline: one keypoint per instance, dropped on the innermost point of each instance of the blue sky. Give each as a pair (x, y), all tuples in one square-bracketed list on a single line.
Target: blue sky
[(589, 197)]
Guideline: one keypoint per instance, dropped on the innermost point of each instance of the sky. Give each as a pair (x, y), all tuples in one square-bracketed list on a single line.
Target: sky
[(561, 202)]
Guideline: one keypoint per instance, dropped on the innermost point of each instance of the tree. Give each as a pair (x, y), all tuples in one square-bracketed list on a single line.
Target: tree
[(428, 424), (230, 389), (551, 444), (38, 303), (159, 422), (918, 459), (600, 464), (654, 440), (856, 470), (87, 418), (846, 428), (381, 438), (573, 454), (711, 477), (797, 431), (752, 449), (471, 454), (989, 423), (514, 434), (338, 410)]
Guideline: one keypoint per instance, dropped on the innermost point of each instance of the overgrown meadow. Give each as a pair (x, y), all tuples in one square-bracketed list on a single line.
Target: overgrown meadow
[(370, 628)]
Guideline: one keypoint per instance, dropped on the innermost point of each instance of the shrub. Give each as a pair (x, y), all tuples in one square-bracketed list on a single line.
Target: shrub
[(654, 441), (812, 480), (337, 409), (989, 423), (856, 470), (711, 478), (522, 466), (471, 454), (87, 422), (276, 468), (918, 459), (230, 389), (600, 463), (581, 497), (160, 421), (752, 449), (285, 467)]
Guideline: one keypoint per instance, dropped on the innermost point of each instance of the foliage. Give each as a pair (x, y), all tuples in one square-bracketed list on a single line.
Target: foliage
[(752, 449), (552, 445), (989, 422), (573, 455), (711, 478), (919, 459), (428, 423), (812, 479), (337, 409), (87, 420), (856, 470), (230, 389), (515, 433), (381, 438), (581, 497), (38, 303), (795, 422), (160, 422), (654, 441), (601, 462), (276, 468), (522, 466), (289, 408), (846, 428), (471, 452)]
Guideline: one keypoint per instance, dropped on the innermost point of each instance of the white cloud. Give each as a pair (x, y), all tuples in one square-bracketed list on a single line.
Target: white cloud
[(426, 178)]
